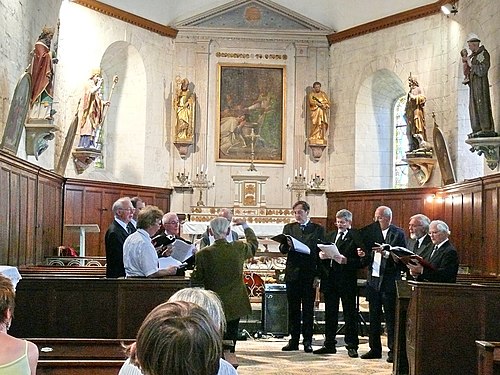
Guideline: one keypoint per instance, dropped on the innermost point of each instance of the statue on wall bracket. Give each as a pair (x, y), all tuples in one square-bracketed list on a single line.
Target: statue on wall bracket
[(420, 154), (184, 105), (92, 111), (319, 104), (483, 139), (40, 126)]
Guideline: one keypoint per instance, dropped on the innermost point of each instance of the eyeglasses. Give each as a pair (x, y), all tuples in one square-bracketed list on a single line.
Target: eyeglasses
[(127, 209), (172, 222)]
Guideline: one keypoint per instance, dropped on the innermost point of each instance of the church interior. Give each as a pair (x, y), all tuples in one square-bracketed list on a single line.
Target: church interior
[(212, 104)]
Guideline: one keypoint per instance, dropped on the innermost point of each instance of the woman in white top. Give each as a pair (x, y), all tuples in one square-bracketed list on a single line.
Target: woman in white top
[(17, 357)]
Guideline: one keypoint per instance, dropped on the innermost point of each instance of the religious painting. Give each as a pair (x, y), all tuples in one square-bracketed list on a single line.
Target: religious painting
[(18, 112), (251, 124)]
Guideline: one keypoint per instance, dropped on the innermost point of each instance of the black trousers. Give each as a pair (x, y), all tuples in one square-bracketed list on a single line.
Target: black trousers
[(231, 333), (379, 300), (333, 294), (300, 295)]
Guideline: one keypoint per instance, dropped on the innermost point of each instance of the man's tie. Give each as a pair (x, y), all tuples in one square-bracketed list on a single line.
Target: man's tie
[(302, 227), (129, 228), (340, 237), (434, 251), (415, 246)]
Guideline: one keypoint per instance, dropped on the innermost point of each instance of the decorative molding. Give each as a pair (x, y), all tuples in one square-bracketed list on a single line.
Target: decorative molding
[(84, 157), (488, 147), (253, 15), (317, 150), (128, 17), (422, 168), (386, 22), (38, 135), (242, 55)]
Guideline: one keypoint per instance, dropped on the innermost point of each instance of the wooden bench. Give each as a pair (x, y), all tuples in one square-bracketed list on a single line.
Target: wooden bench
[(443, 322), (488, 360), (62, 271), (88, 307), (404, 290), (80, 356)]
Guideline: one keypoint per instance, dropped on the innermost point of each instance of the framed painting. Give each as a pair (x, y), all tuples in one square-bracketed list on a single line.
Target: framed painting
[(18, 112), (250, 114)]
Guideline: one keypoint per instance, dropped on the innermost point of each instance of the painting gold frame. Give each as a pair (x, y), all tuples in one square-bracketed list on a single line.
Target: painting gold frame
[(251, 113)]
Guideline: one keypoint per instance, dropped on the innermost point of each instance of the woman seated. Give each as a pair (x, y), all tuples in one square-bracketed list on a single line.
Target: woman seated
[(17, 357), (209, 301)]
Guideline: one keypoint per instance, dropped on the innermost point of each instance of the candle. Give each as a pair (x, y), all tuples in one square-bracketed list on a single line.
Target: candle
[(305, 172), (300, 171), (295, 173), (288, 182), (213, 180), (197, 171), (202, 168)]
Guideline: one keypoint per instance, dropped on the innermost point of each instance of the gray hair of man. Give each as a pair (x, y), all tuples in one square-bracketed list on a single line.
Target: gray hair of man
[(119, 204), (219, 227), (227, 213), (344, 214), (441, 226), (423, 220), (386, 211), (207, 299)]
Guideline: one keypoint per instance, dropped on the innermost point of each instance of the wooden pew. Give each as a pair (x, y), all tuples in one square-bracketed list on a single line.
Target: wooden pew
[(80, 356), (443, 322), (61, 271), (87, 307), (400, 366), (488, 360)]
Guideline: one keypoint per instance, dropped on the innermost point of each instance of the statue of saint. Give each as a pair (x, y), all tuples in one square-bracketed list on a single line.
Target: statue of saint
[(91, 110), (42, 74), (318, 105), (184, 106), (414, 115), (481, 117)]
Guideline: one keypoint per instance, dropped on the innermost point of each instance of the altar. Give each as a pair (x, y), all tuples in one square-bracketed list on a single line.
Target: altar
[(195, 228)]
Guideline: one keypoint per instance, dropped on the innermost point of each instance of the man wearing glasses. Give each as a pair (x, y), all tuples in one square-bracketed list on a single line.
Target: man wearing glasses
[(116, 234)]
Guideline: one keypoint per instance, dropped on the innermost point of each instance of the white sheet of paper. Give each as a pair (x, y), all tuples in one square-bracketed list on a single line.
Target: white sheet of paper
[(331, 251), (166, 262), (182, 250), (377, 260), (300, 246)]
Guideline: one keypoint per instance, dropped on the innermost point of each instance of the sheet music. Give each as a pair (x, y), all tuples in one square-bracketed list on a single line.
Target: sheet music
[(166, 262), (182, 250)]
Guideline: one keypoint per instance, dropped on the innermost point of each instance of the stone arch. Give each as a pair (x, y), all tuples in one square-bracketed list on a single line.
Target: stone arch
[(374, 129), (125, 126)]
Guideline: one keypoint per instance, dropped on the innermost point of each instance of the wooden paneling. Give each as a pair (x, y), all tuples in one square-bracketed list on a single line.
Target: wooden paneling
[(490, 250), (30, 211), (90, 202), (362, 204)]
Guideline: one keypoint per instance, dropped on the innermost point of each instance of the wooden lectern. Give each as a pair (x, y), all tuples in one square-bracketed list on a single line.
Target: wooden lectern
[(82, 228)]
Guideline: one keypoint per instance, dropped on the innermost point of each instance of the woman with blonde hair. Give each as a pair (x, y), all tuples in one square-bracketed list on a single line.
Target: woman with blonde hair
[(17, 357), (207, 300)]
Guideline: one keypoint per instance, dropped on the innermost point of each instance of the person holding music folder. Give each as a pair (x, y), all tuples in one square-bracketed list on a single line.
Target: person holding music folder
[(301, 276), (171, 227), (420, 241), (443, 258), (383, 271), (339, 281), (139, 255)]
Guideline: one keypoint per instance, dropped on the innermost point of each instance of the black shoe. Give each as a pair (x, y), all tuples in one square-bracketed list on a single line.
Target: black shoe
[(325, 350), (390, 357), (289, 347), (371, 355), (353, 353), (308, 348)]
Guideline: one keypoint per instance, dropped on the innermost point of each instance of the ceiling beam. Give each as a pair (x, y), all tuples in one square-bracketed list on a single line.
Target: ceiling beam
[(128, 17), (390, 21)]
